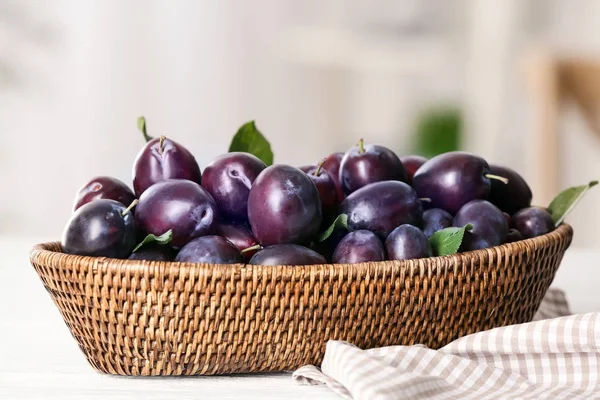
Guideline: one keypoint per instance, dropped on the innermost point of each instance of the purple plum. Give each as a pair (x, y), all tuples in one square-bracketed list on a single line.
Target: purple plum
[(102, 228), (209, 249), (228, 178), (180, 205), (104, 187), (382, 206), (407, 242), (287, 254), (489, 225), (512, 196), (162, 159), (365, 164), (284, 206), (533, 222), (359, 246), (452, 179)]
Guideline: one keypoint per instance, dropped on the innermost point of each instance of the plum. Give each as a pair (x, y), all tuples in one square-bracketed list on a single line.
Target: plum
[(287, 254), (331, 164), (102, 228), (210, 249), (359, 246), (364, 164), (436, 219), (407, 242), (327, 191), (512, 196), (180, 205), (239, 235), (452, 179), (162, 159), (284, 206), (411, 164), (104, 187), (508, 218), (228, 178), (490, 227), (533, 221), (154, 252), (513, 236), (382, 206)]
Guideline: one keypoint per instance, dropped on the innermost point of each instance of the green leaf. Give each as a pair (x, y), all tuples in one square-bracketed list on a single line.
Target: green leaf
[(249, 139), (165, 238), (340, 222), (447, 241), (566, 201), (141, 124)]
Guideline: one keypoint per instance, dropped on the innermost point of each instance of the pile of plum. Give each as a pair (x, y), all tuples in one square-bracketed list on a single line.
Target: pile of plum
[(241, 210)]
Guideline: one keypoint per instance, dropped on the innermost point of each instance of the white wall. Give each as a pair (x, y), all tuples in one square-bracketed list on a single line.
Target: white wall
[(85, 69), (196, 69)]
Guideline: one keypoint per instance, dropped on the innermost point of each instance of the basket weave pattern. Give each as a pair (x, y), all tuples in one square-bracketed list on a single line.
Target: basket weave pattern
[(157, 318)]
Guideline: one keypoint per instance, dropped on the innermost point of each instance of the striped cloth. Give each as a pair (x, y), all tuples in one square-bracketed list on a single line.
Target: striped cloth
[(555, 357)]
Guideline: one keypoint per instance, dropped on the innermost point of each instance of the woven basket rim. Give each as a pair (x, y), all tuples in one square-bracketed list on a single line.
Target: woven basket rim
[(562, 231)]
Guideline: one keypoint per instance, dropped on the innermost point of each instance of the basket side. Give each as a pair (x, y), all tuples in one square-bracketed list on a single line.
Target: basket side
[(155, 318)]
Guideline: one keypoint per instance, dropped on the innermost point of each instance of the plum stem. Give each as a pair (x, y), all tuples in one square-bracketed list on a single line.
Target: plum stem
[(425, 199), (161, 144), (361, 146), (133, 204), (251, 248), (319, 167), (141, 123), (497, 177)]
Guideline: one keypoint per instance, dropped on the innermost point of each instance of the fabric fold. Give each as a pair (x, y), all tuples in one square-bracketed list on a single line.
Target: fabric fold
[(556, 358)]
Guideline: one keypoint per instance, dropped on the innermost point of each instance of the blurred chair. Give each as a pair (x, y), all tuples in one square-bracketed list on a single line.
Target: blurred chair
[(554, 80)]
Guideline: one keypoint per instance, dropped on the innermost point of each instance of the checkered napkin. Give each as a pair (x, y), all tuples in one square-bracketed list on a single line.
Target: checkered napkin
[(555, 357)]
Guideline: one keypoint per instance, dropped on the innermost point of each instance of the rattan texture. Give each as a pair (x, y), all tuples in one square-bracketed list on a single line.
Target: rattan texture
[(165, 318)]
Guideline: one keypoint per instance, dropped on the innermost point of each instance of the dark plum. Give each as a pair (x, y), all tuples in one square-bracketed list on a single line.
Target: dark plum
[(436, 219), (359, 246), (407, 242), (364, 164), (287, 254), (102, 228), (411, 164), (210, 249), (513, 236), (452, 179), (154, 252), (228, 178), (162, 159), (382, 206), (239, 235), (533, 221), (327, 191), (332, 166), (284, 206), (180, 205), (489, 225), (104, 187), (508, 218), (512, 196)]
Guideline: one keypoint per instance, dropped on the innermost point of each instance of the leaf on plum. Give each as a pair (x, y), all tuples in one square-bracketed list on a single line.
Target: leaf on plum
[(340, 222), (448, 240), (163, 239), (566, 200), (141, 124), (250, 140)]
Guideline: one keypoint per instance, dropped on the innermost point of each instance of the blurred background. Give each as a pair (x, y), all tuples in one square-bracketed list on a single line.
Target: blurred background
[(515, 81)]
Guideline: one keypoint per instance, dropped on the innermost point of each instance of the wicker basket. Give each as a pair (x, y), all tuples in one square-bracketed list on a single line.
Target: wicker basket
[(157, 318)]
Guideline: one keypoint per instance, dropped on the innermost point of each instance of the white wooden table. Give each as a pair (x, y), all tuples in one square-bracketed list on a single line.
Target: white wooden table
[(40, 359)]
